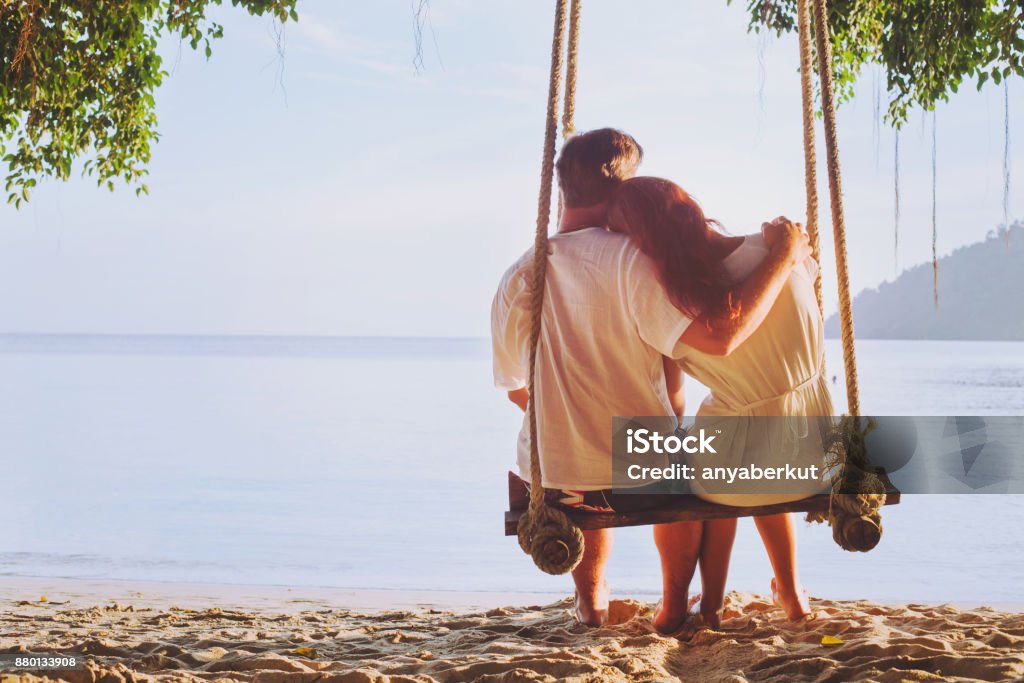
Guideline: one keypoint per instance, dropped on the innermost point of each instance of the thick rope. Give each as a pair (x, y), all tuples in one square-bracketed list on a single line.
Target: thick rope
[(828, 107), (571, 61), (810, 158), (545, 533), (858, 494)]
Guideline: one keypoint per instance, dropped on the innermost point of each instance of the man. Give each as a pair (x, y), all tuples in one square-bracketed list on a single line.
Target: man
[(607, 326)]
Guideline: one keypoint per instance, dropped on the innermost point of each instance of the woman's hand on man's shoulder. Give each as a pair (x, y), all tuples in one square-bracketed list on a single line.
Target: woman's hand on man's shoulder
[(787, 237)]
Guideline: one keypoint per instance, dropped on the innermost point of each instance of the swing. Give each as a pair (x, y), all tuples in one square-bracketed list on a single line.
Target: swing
[(553, 537)]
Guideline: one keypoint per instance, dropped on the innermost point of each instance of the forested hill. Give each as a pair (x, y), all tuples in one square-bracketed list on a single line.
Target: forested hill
[(981, 297)]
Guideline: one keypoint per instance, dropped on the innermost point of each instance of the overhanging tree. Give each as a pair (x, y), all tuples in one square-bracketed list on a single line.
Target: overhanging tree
[(77, 81), (927, 48), (77, 77)]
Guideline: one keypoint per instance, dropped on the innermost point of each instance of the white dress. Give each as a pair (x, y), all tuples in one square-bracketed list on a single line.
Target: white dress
[(777, 371)]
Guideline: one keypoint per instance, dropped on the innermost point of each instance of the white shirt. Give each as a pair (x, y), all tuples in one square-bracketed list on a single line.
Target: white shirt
[(607, 322)]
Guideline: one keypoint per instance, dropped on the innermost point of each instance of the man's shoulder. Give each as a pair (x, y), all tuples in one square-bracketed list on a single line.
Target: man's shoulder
[(589, 237), (611, 250), (593, 244), (520, 268), (515, 280)]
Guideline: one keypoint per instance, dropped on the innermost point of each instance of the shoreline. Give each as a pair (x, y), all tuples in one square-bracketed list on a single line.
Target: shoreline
[(285, 598), (80, 592)]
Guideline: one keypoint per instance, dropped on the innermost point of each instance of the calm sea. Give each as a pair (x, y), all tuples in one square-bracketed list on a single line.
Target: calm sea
[(380, 463)]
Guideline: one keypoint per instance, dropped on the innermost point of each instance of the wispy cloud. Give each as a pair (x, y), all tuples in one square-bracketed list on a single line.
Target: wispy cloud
[(333, 41)]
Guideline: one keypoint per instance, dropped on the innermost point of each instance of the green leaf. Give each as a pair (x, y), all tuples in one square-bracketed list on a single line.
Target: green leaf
[(925, 47), (93, 100)]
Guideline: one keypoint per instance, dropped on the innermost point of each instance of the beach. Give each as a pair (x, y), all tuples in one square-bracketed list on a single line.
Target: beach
[(166, 491), (272, 356), (177, 632)]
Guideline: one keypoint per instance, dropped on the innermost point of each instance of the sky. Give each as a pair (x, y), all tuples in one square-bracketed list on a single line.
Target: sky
[(340, 191)]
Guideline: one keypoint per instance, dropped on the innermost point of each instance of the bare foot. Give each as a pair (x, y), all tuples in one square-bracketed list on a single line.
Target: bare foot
[(712, 617), (594, 610), (794, 603), (667, 621)]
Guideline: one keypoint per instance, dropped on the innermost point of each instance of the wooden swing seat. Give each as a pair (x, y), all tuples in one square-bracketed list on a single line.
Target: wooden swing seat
[(684, 508)]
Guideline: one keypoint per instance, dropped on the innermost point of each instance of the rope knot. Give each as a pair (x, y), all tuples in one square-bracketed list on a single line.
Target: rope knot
[(858, 493), (552, 539)]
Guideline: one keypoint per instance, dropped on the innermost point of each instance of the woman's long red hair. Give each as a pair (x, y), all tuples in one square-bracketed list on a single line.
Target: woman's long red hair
[(668, 225)]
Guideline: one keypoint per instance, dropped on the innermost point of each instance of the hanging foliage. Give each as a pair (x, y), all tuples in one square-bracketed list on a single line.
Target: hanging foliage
[(896, 202), (935, 216), (77, 80), (1006, 159), (927, 48)]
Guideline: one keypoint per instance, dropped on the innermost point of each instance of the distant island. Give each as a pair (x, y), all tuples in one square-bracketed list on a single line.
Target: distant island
[(981, 296)]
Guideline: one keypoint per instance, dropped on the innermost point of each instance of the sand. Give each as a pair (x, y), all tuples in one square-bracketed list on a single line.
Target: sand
[(181, 633)]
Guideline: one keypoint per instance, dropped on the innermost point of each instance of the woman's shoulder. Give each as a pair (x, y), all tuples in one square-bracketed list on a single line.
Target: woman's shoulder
[(746, 257), (755, 240), (756, 250)]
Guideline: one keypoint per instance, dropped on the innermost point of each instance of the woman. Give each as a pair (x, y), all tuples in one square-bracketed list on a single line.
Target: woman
[(777, 371)]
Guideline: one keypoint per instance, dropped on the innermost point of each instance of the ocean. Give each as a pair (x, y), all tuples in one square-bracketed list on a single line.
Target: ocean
[(380, 464)]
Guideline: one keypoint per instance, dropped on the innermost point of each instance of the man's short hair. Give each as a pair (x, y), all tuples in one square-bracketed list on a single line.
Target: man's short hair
[(592, 164)]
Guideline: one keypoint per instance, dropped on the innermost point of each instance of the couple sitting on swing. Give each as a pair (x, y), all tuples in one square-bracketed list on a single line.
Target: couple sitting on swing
[(641, 288)]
